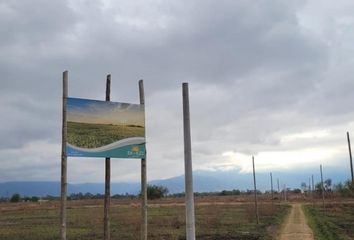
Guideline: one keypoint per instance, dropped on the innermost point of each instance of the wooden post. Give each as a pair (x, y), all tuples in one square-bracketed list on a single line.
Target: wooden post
[(255, 191), (63, 191), (350, 156), (190, 218), (279, 196), (107, 193), (271, 186), (143, 177), (322, 186), (309, 188), (313, 189)]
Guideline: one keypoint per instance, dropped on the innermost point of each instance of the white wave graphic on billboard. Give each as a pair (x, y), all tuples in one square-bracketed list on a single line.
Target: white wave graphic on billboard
[(118, 144)]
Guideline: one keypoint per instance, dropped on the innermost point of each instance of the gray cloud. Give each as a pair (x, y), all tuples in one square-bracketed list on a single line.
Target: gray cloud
[(257, 72)]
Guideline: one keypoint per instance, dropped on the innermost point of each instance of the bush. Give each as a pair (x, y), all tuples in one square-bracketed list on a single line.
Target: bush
[(345, 189), (15, 198), (155, 192), (34, 199), (229, 193)]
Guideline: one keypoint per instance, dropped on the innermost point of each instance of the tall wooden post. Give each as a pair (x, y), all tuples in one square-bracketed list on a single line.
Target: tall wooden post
[(313, 189), (350, 157), (271, 186), (143, 177), (309, 188), (322, 186), (255, 191), (63, 180), (190, 218), (279, 195), (107, 193)]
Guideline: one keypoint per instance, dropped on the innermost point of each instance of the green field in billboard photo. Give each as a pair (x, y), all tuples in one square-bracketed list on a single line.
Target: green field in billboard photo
[(89, 135), (100, 128)]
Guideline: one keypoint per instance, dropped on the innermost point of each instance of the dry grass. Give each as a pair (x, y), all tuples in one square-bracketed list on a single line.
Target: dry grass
[(216, 218)]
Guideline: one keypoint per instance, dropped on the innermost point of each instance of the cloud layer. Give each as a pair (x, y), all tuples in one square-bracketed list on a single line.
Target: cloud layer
[(270, 79)]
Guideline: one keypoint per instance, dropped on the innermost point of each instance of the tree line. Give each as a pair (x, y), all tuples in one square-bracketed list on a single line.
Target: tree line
[(344, 189)]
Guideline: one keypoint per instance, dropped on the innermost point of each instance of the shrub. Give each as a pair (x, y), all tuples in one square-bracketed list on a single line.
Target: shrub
[(15, 198), (155, 192), (345, 189)]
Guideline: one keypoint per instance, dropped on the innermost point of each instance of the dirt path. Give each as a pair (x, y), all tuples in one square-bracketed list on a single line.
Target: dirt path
[(296, 227)]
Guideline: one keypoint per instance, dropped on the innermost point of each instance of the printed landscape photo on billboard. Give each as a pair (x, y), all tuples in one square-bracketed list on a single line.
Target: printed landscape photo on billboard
[(105, 129)]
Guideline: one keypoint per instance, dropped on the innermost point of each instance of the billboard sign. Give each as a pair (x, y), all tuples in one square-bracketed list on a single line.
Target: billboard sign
[(105, 129)]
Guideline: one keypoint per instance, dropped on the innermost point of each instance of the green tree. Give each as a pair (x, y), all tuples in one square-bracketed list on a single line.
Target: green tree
[(328, 185), (345, 189), (155, 192), (318, 187), (15, 198), (34, 199)]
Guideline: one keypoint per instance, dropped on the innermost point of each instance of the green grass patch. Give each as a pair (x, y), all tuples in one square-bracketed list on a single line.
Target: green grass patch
[(335, 223), (88, 135)]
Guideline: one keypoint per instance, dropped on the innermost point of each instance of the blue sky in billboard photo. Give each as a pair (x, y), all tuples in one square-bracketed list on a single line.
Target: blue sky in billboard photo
[(268, 78), (93, 111)]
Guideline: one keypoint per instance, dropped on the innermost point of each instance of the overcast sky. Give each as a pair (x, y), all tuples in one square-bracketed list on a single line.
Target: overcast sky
[(269, 78)]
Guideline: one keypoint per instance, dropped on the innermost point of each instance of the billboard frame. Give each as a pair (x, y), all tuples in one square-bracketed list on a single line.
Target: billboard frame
[(63, 181)]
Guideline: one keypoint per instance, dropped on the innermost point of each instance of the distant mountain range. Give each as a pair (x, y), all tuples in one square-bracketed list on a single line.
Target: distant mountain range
[(204, 181)]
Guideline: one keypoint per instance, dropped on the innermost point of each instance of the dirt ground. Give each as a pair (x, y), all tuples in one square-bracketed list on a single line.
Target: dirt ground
[(295, 227)]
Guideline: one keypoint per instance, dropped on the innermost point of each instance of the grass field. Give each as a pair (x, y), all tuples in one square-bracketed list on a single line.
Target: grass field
[(87, 135), (214, 220), (335, 223)]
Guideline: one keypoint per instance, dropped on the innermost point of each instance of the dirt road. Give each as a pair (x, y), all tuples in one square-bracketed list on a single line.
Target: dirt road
[(296, 227)]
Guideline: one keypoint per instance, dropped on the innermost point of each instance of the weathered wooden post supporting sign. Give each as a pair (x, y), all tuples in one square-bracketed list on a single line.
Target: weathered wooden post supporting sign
[(190, 218), (143, 177), (93, 128), (63, 180), (107, 187), (255, 191)]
